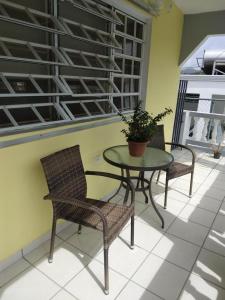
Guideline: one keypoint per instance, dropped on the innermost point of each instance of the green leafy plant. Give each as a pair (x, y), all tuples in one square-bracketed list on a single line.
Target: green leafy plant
[(142, 125)]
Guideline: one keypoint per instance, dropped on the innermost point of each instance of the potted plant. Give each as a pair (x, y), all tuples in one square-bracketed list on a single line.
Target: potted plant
[(141, 127), (217, 150)]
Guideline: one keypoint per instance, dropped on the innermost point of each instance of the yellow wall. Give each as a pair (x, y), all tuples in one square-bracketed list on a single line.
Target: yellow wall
[(24, 216), (164, 65)]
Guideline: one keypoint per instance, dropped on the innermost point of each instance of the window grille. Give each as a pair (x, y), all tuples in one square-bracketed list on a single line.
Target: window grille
[(78, 60)]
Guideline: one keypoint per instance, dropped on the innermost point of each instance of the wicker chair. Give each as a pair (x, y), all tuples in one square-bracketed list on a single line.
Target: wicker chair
[(176, 169), (68, 192)]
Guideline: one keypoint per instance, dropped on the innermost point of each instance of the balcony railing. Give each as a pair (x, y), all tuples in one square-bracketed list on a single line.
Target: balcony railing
[(202, 129)]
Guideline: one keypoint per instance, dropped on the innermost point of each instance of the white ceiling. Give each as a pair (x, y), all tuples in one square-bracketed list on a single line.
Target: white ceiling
[(200, 6)]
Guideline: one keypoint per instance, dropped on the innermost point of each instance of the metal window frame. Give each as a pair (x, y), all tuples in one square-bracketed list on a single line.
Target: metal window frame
[(32, 47), (115, 5), (32, 78), (83, 103), (67, 23), (98, 81), (62, 24), (34, 108), (100, 11), (84, 56), (31, 13)]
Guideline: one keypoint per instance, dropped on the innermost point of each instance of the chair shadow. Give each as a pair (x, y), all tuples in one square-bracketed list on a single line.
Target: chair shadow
[(98, 247)]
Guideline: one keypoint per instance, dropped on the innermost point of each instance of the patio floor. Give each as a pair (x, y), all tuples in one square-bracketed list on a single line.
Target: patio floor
[(184, 261)]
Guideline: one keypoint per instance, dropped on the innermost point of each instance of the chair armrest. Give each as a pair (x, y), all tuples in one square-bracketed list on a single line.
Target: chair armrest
[(185, 147), (82, 204), (116, 177)]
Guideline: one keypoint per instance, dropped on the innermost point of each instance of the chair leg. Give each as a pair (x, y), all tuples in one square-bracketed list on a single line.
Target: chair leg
[(166, 193), (79, 229), (191, 183), (132, 233), (157, 180), (50, 258), (106, 270)]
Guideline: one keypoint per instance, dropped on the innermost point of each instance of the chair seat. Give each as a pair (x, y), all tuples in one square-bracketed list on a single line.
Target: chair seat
[(116, 215), (177, 169)]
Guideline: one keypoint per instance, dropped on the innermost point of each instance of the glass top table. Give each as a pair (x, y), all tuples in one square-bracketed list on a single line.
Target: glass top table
[(153, 160)]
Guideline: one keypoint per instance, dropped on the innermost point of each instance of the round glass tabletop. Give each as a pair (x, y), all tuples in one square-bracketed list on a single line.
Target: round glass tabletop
[(153, 159)]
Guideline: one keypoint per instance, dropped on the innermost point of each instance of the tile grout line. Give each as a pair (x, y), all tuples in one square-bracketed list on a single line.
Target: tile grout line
[(163, 234), (202, 247)]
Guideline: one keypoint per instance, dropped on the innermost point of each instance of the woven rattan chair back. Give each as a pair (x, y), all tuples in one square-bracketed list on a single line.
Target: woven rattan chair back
[(64, 169), (158, 139)]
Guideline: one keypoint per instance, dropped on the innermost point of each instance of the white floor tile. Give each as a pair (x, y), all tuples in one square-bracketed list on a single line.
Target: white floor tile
[(173, 206), (177, 251), (89, 241), (67, 262), (135, 292), (211, 192), (205, 202), (139, 208), (197, 215), (89, 283), (179, 196), (13, 271), (145, 236), (63, 295), (188, 231), (199, 289), (222, 209), (29, 285), (41, 251), (211, 267), (150, 217), (215, 242), (219, 223), (68, 232), (118, 251), (161, 277)]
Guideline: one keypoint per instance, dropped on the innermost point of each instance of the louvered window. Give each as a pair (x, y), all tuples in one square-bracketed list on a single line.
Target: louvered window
[(66, 61)]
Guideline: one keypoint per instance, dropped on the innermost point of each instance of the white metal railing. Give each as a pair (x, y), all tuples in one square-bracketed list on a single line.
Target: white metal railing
[(202, 129)]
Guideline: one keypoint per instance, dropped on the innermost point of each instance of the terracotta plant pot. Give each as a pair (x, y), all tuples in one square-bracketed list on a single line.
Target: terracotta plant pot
[(216, 155), (137, 148)]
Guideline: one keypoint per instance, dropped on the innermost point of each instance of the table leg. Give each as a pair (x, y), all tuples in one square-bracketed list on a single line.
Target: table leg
[(142, 175), (127, 189), (152, 199), (119, 188)]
